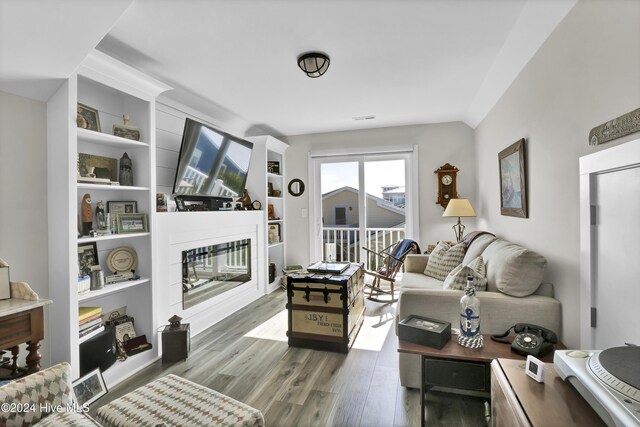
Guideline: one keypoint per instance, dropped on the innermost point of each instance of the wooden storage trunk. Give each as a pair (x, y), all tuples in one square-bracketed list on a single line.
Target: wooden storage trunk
[(326, 311)]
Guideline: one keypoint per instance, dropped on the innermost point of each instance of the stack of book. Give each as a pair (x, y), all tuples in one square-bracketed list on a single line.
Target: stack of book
[(90, 319)]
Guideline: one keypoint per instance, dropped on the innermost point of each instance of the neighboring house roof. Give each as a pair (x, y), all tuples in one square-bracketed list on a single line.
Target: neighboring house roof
[(384, 204)]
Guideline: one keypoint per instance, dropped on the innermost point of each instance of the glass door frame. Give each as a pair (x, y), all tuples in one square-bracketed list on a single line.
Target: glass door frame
[(316, 158)]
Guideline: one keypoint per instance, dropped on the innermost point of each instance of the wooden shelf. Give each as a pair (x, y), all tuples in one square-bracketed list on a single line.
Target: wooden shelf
[(112, 289), (274, 198), (274, 245), (106, 139)]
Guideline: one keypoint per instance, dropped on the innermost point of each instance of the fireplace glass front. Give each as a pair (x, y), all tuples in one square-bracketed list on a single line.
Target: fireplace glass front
[(211, 270)]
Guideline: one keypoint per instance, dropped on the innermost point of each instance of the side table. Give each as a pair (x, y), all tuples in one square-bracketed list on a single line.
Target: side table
[(460, 369), (517, 400), (22, 321)]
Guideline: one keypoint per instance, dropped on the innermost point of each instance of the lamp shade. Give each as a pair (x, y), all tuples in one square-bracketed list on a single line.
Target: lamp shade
[(314, 64), (459, 208)]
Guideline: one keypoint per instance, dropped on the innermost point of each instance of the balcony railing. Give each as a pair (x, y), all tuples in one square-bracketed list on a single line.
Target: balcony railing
[(347, 241)]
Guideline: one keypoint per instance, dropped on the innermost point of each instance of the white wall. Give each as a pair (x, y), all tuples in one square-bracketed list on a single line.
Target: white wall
[(23, 195), (437, 145), (586, 73)]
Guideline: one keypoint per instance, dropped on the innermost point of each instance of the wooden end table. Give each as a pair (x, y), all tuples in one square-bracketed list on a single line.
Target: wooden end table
[(460, 369), (21, 321)]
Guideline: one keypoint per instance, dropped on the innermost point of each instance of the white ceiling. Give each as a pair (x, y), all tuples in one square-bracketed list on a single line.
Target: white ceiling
[(404, 61)]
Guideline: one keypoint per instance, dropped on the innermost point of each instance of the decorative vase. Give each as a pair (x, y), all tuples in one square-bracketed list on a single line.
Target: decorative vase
[(470, 335)]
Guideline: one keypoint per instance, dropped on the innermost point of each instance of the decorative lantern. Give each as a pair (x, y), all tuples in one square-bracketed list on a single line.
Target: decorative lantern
[(176, 340), (126, 170), (470, 335)]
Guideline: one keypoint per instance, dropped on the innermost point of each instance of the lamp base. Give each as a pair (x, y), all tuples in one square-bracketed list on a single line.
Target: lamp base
[(458, 229)]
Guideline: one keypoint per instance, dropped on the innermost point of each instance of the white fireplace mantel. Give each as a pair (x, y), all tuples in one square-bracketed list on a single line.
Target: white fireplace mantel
[(178, 231)]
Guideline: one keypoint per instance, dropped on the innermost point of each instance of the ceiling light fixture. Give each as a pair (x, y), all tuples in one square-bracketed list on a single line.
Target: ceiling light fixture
[(314, 64)]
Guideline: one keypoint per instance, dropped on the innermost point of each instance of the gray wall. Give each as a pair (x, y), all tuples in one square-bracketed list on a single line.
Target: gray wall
[(586, 73), (437, 145), (23, 195)]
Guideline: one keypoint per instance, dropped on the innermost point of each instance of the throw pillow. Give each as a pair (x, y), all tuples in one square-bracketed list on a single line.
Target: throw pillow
[(443, 259), (513, 269), (457, 279)]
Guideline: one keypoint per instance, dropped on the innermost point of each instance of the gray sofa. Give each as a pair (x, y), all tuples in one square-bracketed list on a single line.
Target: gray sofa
[(511, 270)]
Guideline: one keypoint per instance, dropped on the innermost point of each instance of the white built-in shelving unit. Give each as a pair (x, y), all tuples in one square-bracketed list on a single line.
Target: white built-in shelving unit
[(114, 89), (268, 149)]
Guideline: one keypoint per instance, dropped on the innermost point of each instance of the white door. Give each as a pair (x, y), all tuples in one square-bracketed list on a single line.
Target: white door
[(617, 258), (610, 247)]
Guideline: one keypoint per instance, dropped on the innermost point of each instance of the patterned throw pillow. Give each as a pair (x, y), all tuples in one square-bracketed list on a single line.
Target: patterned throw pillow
[(443, 259), (457, 279), (51, 385)]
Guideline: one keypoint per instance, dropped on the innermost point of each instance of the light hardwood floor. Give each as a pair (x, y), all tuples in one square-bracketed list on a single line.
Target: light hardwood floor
[(246, 356)]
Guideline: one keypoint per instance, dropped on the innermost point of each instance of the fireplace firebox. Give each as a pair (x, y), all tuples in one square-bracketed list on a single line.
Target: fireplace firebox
[(208, 271)]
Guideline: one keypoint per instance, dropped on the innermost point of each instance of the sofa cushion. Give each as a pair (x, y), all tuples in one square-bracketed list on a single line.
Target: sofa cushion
[(443, 259), (478, 246), (52, 386), (419, 281), (513, 269), (457, 279)]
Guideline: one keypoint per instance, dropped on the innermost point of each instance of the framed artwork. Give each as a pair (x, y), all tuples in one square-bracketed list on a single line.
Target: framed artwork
[(87, 257), (132, 223), (88, 118), (271, 211), (118, 207), (89, 388), (513, 180), (103, 167)]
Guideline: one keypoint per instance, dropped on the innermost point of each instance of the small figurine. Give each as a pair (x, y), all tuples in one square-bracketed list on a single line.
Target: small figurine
[(87, 215), (245, 200)]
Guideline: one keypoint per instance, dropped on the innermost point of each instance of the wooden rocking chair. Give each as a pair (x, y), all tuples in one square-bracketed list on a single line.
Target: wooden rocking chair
[(389, 262)]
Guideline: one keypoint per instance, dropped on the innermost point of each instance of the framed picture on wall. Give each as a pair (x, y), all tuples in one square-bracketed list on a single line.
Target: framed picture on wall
[(513, 180)]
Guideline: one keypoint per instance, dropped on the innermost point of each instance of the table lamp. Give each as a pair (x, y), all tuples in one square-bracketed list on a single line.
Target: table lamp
[(459, 208)]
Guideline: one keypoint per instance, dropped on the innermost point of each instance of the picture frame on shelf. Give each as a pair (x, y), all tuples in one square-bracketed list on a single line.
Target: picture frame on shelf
[(103, 167), (87, 258), (270, 189), (273, 166), (117, 207), (88, 118), (89, 388), (274, 233), (132, 223), (271, 211), (513, 180), (5, 281)]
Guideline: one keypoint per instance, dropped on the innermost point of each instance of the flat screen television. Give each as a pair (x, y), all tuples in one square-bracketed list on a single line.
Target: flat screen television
[(212, 164)]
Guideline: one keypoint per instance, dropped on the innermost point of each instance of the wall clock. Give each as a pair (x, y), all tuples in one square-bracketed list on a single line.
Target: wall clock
[(447, 186)]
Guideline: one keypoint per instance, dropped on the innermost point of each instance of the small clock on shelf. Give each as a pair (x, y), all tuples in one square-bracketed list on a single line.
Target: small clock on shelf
[(447, 188)]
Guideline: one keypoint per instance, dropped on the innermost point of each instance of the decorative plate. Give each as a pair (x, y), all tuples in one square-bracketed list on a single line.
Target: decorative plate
[(121, 260)]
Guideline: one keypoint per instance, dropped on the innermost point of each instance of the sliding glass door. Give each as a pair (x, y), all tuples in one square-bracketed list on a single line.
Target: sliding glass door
[(360, 201)]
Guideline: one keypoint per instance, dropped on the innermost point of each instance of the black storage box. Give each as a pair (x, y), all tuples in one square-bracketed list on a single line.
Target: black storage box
[(425, 331)]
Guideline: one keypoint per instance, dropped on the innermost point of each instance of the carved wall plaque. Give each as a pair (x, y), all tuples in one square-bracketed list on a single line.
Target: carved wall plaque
[(617, 128)]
